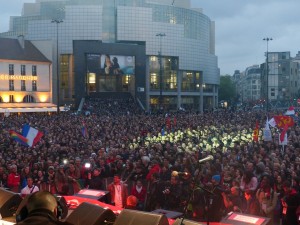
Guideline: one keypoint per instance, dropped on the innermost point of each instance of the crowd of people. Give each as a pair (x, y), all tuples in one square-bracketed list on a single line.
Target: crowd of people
[(133, 154)]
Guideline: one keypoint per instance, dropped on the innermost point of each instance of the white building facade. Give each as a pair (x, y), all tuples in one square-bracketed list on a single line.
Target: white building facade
[(25, 76)]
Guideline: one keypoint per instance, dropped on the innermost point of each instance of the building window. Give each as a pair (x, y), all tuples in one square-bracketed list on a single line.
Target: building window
[(28, 98), (187, 81), (34, 86), (171, 83), (11, 99), (11, 85), (23, 85), (11, 69), (23, 70), (33, 70), (153, 58), (153, 81)]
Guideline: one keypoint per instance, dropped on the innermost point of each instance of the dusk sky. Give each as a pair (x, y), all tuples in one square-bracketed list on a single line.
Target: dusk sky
[(240, 27)]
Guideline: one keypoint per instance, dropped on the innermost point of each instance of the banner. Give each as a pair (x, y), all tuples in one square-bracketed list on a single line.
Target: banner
[(281, 121)]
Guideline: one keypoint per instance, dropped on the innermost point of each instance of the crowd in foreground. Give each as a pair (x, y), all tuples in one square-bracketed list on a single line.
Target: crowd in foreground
[(134, 154)]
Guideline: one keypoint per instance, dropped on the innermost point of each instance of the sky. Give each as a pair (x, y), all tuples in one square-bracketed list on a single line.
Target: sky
[(240, 26)]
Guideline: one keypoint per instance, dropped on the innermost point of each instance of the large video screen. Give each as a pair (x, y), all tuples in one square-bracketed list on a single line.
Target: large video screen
[(117, 65)]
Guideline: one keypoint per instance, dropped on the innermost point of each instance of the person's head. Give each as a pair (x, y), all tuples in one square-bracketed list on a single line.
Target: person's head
[(115, 59), (235, 191), (248, 194), (155, 176), (131, 201), (139, 183), (216, 179), (117, 179), (107, 58), (29, 182), (42, 200), (174, 180), (26, 169), (51, 169), (250, 166), (96, 172), (266, 182), (287, 186), (13, 168)]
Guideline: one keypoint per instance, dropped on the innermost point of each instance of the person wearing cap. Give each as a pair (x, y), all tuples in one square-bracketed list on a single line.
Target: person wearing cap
[(216, 205), (94, 181)]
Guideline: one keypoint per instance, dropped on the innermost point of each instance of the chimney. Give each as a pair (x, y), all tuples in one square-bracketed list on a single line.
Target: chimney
[(21, 41)]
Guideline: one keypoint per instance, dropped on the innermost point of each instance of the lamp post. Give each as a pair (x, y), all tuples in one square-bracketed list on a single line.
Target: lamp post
[(160, 35), (267, 39), (57, 21)]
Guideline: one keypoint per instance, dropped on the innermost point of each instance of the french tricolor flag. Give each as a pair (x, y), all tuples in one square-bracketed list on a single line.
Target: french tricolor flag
[(290, 111), (33, 135)]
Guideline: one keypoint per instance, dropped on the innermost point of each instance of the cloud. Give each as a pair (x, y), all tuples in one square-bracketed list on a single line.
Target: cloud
[(241, 26)]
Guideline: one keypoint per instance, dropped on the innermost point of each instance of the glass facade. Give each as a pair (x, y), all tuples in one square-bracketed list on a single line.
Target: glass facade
[(188, 58)]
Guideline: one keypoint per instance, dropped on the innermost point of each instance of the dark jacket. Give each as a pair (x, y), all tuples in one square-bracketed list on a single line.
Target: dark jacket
[(41, 217), (95, 183)]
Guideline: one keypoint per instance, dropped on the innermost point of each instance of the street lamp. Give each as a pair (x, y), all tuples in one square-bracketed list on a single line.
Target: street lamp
[(267, 39), (160, 35), (57, 21)]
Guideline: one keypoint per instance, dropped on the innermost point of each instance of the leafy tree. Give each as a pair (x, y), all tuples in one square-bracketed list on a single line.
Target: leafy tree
[(227, 90)]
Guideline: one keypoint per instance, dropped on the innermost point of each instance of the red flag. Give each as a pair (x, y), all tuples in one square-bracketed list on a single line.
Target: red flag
[(281, 121), (255, 132), (168, 123), (284, 130), (174, 121)]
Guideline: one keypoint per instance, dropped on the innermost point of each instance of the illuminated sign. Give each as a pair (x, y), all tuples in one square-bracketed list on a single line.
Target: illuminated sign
[(17, 77)]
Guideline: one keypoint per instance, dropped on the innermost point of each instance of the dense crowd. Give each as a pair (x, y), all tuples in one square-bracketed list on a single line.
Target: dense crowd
[(133, 153)]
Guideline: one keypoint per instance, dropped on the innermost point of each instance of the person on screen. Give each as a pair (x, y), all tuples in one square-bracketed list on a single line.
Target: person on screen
[(116, 66), (108, 66)]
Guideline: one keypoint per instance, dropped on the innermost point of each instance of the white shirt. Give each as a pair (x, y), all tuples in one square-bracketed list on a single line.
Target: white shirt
[(118, 196), (27, 190)]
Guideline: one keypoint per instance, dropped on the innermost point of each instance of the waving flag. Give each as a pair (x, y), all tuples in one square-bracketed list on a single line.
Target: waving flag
[(168, 123), (33, 135), (272, 122), (18, 137), (281, 121), (84, 130), (283, 132), (255, 132), (290, 111), (267, 132)]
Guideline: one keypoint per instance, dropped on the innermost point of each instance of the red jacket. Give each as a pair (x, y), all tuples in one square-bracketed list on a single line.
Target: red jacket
[(140, 196), (155, 169), (13, 180)]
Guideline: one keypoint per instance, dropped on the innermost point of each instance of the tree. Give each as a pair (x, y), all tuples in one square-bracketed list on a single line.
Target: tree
[(227, 90)]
